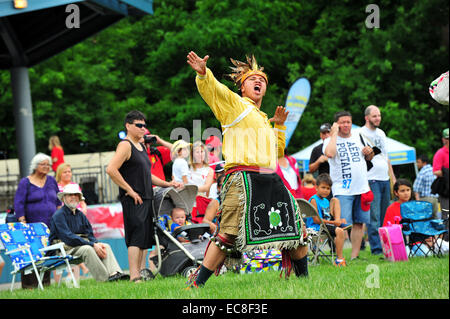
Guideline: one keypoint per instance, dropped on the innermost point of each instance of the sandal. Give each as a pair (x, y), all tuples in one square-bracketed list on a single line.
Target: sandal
[(146, 274), (136, 280)]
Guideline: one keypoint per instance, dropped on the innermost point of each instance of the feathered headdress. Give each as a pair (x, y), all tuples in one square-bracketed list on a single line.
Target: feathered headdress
[(242, 70)]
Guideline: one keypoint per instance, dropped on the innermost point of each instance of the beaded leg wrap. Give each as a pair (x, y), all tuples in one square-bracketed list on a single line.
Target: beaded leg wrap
[(226, 246), (233, 256)]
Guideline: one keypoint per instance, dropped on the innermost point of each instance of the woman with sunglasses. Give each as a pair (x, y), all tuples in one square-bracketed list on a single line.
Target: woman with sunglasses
[(36, 201), (130, 169)]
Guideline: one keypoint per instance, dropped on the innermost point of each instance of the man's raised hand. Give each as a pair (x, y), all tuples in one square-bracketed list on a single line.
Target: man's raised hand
[(280, 115), (197, 64)]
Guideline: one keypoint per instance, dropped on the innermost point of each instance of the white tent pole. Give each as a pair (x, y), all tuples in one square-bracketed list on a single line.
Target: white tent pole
[(416, 169)]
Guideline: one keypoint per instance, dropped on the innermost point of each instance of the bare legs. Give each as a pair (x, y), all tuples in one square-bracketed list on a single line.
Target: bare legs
[(356, 238), (135, 257)]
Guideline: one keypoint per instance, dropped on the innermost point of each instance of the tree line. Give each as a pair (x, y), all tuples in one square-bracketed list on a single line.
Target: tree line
[(83, 93)]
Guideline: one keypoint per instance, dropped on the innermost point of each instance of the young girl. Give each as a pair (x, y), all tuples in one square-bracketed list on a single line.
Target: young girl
[(200, 173), (403, 191), (308, 186), (180, 167)]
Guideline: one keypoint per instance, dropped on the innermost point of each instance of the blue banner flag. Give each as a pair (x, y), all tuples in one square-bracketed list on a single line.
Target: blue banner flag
[(296, 102)]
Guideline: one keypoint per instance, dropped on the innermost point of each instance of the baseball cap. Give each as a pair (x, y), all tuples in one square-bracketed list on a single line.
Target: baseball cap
[(445, 133), (325, 127), (366, 200), (213, 141)]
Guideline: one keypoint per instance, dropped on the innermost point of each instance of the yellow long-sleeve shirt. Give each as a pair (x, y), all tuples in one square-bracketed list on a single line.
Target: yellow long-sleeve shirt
[(251, 140)]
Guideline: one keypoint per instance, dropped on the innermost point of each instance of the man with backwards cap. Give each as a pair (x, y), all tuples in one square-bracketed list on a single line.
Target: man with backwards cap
[(250, 149)]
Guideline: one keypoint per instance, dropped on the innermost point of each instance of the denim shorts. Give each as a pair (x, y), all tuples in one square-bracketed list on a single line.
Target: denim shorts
[(351, 209)]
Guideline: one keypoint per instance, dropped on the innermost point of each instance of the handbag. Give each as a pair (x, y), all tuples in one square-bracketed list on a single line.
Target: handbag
[(11, 216)]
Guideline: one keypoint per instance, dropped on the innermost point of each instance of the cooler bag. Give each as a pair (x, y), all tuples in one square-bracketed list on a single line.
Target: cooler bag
[(391, 238)]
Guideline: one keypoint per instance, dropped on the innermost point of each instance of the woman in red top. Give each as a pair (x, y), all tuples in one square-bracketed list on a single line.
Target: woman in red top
[(287, 169), (403, 191), (57, 152)]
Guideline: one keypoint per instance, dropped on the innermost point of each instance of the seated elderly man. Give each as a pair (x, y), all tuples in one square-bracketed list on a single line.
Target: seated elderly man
[(70, 225)]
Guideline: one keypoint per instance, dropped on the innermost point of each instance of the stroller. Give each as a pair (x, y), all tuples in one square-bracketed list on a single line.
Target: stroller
[(176, 257)]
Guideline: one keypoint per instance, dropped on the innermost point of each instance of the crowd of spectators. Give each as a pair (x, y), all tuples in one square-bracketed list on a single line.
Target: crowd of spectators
[(355, 161)]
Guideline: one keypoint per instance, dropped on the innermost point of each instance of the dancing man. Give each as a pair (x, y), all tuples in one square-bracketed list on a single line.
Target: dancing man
[(257, 211)]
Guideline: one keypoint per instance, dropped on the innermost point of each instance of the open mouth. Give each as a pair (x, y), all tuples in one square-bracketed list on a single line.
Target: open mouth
[(257, 88)]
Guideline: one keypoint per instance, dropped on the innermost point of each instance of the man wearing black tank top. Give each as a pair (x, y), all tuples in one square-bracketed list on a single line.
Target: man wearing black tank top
[(130, 169)]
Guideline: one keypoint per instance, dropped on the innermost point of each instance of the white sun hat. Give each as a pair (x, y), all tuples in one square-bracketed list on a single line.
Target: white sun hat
[(72, 188)]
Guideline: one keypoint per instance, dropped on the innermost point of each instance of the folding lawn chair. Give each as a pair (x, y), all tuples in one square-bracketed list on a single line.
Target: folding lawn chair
[(418, 227), (319, 239), (26, 245)]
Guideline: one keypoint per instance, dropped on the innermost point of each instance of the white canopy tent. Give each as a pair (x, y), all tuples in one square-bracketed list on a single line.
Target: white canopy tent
[(398, 153)]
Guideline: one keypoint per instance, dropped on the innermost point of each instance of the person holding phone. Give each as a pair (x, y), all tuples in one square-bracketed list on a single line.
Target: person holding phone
[(348, 169)]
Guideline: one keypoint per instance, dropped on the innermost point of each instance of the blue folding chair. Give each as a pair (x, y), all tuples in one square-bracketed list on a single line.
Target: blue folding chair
[(27, 244), (418, 226)]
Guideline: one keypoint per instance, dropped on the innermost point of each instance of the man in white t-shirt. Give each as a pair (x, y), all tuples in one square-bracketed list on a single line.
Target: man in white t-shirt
[(348, 171), (378, 176)]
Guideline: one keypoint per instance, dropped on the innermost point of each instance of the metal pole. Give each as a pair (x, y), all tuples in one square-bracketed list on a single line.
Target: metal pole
[(23, 116)]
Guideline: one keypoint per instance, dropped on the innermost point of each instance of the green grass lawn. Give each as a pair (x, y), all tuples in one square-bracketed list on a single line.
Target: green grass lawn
[(367, 278)]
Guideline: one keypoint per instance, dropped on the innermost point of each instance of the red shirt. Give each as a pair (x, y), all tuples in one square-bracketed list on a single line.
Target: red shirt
[(58, 153), (213, 158), (308, 192), (157, 166), (392, 211), (440, 159)]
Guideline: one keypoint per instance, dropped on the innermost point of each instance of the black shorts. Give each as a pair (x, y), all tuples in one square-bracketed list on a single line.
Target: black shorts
[(138, 223)]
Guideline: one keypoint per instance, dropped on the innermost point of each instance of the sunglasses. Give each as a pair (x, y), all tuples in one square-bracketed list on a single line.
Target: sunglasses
[(140, 125)]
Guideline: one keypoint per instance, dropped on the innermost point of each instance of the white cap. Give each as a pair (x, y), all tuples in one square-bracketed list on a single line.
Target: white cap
[(72, 188)]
